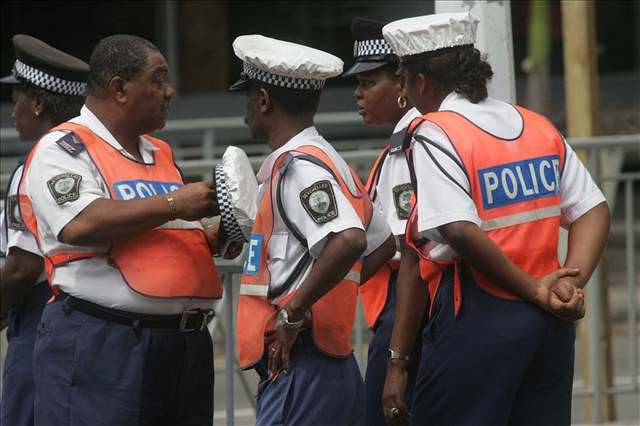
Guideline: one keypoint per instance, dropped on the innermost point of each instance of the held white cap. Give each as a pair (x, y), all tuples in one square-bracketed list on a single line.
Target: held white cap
[(237, 193)]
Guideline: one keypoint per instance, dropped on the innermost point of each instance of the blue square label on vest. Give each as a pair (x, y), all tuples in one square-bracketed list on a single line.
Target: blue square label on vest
[(139, 188), (252, 262), (520, 181)]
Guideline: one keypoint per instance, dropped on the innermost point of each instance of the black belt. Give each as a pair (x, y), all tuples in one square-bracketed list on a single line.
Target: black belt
[(190, 320)]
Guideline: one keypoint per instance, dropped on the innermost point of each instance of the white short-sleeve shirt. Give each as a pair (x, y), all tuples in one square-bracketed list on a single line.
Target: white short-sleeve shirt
[(14, 232), (285, 251), (443, 199), (394, 183), (91, 279)]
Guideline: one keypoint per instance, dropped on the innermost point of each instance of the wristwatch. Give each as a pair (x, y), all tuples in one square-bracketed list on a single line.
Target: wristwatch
[(283, 318), (397, 355)]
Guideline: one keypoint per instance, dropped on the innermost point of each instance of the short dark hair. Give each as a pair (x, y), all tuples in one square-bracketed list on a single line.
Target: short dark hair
[(117, 55), (56, 106), (464, 71), (295, 102)]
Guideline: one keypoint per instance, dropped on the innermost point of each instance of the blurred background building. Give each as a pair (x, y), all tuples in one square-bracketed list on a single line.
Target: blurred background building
[(196, 38)]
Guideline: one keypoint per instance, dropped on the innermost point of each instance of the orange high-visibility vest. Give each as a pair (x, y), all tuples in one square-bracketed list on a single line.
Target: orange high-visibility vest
[(333, 314), (515, 185), (375, 290), (165, 262)]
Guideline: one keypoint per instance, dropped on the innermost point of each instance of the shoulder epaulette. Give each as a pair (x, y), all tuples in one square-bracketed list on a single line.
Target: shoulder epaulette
[(399, 142), (71, 143)]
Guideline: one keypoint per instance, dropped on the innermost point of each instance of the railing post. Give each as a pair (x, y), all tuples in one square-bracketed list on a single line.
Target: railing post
[(228, 350), (359, 338), (595, 345), (631, 283), (209, 143)]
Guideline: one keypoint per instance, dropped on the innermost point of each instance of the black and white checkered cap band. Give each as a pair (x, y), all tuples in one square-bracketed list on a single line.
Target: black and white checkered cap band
[(255, 73), (46, 81), (229, 222), (374, 47)]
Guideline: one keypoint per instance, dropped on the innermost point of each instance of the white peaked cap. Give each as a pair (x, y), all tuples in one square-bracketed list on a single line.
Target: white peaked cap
[(237, 193), (284, 64), (413, 36)]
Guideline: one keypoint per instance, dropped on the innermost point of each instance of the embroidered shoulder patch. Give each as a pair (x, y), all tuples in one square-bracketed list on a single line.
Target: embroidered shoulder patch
[(71, 143), (320, 202), (402, 200), (14, 219), (65, 187)]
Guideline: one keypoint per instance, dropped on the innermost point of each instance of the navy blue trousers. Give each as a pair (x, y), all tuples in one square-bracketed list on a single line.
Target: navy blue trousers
[(318, 390), (500, 362), (93, 372), (378, 357), (16, 408)]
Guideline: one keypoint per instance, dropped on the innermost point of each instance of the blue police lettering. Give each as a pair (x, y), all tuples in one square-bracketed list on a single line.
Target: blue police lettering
[(252, 262), (139, 188), (520, 181)]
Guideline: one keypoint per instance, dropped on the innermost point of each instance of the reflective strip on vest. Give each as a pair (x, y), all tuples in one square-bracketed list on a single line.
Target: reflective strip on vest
[(254, 290), (520, 218), (353, 276)]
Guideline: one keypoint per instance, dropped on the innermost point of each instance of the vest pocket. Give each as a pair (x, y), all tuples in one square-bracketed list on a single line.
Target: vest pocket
[(278, 245)]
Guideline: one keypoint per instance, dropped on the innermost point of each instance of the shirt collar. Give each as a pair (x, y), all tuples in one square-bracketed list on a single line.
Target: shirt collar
[(91, 121), (301, 138), (406, 119), (492, 115), (451, 101)]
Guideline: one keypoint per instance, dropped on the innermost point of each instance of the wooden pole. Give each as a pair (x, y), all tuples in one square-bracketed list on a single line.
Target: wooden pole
[(581, 96), (580, 67)]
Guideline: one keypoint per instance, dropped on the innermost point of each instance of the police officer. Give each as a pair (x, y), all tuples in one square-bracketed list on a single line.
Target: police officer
[(125, 340), (299, 286), (380, 100), (48, 89), (495, 182)]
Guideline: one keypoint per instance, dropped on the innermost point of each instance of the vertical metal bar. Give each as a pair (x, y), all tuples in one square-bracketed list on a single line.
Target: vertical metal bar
[(228, 346), (631, 283), (359, 337), (595, 320), (170, 13), (595, 349), (592, 162), (208, 143)]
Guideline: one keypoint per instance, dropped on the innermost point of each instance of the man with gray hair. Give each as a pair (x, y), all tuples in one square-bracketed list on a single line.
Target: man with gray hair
[(124, 342)]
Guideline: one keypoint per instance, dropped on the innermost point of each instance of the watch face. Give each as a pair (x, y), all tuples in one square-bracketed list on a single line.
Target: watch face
[(397, 355)]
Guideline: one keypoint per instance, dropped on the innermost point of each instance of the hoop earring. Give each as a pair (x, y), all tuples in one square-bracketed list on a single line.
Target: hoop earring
[(402, 102)]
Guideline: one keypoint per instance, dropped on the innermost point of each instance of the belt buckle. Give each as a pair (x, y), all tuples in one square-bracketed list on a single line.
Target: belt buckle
[(205, 315)]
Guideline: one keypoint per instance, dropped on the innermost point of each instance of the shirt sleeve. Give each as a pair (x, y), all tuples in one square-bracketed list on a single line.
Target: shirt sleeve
[(378, 231), (578, 192), (307, 207), (23, 240), (50, 165), (443, 187), (17, 234)]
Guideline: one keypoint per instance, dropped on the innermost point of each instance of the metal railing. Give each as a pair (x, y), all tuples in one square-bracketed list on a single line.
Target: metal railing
[(361, 159), (597, 390)]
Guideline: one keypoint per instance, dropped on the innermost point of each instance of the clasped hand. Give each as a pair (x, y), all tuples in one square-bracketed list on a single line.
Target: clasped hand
[(559, 294)]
